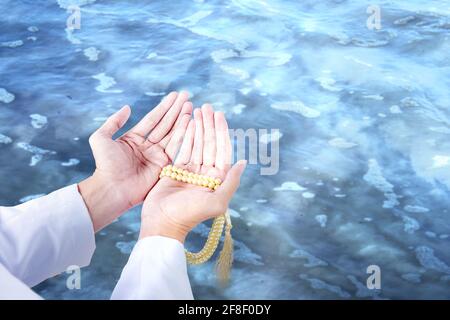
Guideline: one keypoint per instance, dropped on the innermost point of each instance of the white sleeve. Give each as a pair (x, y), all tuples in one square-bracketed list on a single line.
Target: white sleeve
[(42, 237), (156, 270)]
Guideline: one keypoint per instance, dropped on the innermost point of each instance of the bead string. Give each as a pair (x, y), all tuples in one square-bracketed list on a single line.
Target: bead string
[(226, 256)]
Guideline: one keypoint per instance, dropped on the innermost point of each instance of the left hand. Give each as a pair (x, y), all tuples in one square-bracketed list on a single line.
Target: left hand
[(128, 167)]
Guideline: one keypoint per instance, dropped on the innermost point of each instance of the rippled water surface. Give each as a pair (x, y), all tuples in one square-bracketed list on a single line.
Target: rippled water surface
[(363, 114)]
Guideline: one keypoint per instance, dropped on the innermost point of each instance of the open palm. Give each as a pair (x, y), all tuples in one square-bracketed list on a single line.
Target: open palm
[(173, 208), (132, 163)]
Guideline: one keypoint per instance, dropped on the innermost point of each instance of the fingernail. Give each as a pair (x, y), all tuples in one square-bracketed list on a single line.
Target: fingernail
[(242, 164)]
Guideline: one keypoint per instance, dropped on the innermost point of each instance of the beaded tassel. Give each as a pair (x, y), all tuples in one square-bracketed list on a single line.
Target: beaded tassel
[(225, 260)]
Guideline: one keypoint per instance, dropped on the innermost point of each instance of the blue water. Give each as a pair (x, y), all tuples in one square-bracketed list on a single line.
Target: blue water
[(364, 119)]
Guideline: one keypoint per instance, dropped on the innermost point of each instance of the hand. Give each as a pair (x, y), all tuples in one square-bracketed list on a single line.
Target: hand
[(128, 167), (173, 208)]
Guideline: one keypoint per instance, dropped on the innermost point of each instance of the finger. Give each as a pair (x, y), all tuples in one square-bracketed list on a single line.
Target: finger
[(197, 150), (232, 181), (223, 143), (167, 122), (184, 155), (209, 140), (177, 138), (186, 110), (151, 119), (114, 123)]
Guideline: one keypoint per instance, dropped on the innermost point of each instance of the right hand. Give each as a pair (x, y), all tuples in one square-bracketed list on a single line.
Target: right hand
[(173, 208)]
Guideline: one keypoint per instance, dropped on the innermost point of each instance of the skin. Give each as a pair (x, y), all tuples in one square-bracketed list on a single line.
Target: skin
[(173, 208), (127, 168)]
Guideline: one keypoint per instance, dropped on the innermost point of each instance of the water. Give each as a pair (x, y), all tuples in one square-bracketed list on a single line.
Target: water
[(364, 117)]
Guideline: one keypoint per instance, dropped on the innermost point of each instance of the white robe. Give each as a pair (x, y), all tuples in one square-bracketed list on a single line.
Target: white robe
[(41, 238)]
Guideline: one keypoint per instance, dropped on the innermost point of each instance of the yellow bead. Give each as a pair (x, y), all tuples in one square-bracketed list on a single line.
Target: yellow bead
[(168, 167), (217, 181), (179, 177), (189, 180), (161, 175), (205, 183), (194, 181), (185, 172), (215, 187), (211, 179), (184, 179), (196, 176), (173, 175), (191, 174), (211, 185)]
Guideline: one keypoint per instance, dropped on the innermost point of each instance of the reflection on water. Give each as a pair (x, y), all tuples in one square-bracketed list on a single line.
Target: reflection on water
[(363, 116)]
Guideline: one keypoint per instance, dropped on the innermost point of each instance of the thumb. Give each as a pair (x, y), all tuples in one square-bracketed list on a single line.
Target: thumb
[(115, 122), (232, 180)]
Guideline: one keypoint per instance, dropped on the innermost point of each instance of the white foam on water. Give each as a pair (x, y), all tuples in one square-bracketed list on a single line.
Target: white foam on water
[(410, 225), (415, 209), (64, 4), (440, 161), (91, 53), (444, 130), (298, 107), (5, 139), (234, 213), (308, 195), (322, 220), (376, 97), (395, 109), (151, 55), (38, 153), (5, 96), (428, 260), (430, 234), (219, 55), (412, 277), (341, 143), (289, 186), (375, 178), (237, 109), (239, 73), (311, 260), (106, 82), (125, 247), (33, 29), (38, 121), (70, 163), (154, 94), (12, 44), (322, 285), (328, 84)]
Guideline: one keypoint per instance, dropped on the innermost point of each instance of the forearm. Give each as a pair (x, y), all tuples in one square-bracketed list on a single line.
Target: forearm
[(42, 237), (156, 270), (104, 200)]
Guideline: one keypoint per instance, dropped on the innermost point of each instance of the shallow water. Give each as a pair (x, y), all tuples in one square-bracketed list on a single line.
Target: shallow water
[(364, 119)]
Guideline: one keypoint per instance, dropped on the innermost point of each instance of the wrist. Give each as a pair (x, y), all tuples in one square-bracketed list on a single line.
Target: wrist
[(155, 226), (102, 199)]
